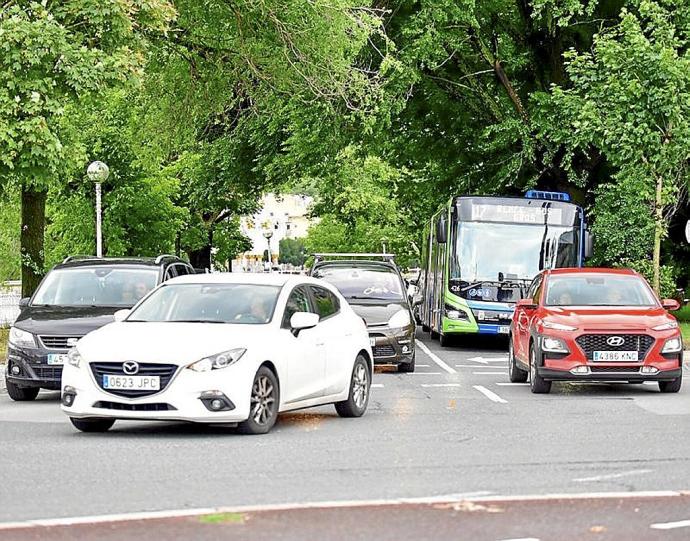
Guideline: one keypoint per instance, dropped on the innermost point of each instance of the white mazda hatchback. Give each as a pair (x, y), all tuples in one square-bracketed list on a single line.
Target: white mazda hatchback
[(222, 348)]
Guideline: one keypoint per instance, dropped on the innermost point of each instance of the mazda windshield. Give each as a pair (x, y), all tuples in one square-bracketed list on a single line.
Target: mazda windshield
[(594, 289), (209, 303)]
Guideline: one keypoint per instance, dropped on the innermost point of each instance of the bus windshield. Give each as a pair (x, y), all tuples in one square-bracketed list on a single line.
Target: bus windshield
[(517, 251)]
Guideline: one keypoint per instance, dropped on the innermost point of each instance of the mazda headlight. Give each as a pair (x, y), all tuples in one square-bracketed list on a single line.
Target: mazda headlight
[(673, 345), (557, 326), (218, 361), (666, 326), (400, 319), (553, 345), (21, 338), (74, 357)]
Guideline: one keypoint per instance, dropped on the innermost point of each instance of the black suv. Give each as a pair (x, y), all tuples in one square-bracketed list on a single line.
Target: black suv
[(378, 294), (77, 296)]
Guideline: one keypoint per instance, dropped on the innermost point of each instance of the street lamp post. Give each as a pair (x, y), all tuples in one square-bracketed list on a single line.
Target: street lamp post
[(268, 233), (98, 173)]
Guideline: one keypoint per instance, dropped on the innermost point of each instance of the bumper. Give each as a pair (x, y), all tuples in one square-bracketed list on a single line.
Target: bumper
[(625, 374), (34, 370), (392, 346), (179, 401)]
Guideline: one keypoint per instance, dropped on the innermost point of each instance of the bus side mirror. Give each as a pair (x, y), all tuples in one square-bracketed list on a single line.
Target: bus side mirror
[(589, 244), (441, 227)]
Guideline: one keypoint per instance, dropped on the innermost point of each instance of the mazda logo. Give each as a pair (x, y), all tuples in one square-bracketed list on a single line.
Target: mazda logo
[(615, 341), (130, 367)]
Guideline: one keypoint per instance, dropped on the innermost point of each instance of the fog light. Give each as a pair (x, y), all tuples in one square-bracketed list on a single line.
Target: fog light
[(216, 401), (581, 370), (649, 370), (68, 396), (406, 349), (16, 370)]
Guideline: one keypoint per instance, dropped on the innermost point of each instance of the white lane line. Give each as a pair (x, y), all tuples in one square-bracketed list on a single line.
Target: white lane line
[(489, 373), (423, 366), (490, 394), (376, 385), (469, 366), (670, 525), (435, 358), (521, 539), (424, 373), (611, 476), (440, 385), (510, 384)]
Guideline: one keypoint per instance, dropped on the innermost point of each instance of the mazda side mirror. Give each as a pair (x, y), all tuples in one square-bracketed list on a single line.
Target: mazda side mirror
[(303, 320), (670, 304), (24, 302), (121, 315)]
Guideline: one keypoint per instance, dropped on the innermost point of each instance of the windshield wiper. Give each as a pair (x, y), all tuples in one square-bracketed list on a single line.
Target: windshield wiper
[(195, 321), (369, 297)]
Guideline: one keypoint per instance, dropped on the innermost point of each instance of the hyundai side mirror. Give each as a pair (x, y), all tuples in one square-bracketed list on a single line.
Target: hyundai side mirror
[(670, 304), (303, 320), (527, 304), (121, 315)]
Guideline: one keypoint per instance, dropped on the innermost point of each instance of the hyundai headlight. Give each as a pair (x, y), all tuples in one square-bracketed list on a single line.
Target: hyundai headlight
[(557, 326), (21, 338), (218, 361), (673, 345), (400, 319), (74, 357), (553, 345), (666, 326)]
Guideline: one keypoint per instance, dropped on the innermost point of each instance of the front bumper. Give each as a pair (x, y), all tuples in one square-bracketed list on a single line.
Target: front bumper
[(180, 400), (392, 346), (34, 370), (625, 374)]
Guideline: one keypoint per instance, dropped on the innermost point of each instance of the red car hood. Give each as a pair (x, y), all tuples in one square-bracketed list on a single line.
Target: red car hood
[(605, 318)]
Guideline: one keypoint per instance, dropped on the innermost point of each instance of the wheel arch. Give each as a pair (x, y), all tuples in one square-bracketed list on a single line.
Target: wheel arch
[(365, 354)]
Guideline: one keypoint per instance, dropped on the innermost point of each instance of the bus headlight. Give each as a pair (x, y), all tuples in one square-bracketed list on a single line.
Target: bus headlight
[(451, 312)]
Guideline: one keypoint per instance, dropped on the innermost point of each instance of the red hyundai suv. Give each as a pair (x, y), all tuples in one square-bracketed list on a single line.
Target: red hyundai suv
[(594, 325)]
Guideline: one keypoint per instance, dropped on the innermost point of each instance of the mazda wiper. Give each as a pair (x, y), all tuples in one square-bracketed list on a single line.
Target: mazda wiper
[(196, 321)]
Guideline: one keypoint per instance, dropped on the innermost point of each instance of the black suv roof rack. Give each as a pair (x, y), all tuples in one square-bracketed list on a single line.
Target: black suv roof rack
[(320, 256), (79, 258)]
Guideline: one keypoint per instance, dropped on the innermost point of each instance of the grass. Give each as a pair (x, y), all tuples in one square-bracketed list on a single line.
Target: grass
[(3, 343), (223, 518), (685, 332)]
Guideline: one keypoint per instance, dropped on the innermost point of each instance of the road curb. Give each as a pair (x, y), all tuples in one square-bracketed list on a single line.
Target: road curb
[(3, 368)]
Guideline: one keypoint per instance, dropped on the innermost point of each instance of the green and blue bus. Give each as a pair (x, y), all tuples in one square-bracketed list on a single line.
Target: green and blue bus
[(480, 255)]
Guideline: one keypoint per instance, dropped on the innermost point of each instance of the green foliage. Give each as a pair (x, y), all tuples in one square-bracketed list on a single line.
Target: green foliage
[(292, 252), (9, 236)]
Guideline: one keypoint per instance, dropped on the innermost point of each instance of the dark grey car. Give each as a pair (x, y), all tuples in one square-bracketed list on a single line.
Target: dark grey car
[(377, 293)]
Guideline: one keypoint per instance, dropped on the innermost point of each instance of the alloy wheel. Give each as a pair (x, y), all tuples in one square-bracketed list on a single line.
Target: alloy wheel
[(262, 401), (360, 386)]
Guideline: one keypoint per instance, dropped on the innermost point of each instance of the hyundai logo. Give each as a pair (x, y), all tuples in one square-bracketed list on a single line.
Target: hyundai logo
[(615, 341), (130, 367)]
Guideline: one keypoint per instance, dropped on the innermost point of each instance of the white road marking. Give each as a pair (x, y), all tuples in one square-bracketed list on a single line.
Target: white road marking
[(469, 366), (670, 525), (521, 539), (611, 476), (376, 385), (485, 360), (490, 373), (435, 358), (424, 373), (440, 385), (510, 384), (490, 394), (423, 366)]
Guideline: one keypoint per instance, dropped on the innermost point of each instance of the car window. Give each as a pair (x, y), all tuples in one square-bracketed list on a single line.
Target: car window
[(298, 301), (375, 283), (181, 270), (171, 272), (327, 303), (598, 289), (534, 286), (99, 285)]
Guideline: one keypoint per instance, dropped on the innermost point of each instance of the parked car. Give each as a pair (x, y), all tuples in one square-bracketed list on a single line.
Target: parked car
[(377, 293), (594, 325), (77, 296), (222, 348)]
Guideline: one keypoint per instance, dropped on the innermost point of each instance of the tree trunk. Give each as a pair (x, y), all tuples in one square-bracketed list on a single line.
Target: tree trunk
[(201, 258), (658, 231), (31, 238)]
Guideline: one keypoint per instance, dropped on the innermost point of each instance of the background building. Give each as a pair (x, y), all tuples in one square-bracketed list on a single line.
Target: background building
[(281, 216)]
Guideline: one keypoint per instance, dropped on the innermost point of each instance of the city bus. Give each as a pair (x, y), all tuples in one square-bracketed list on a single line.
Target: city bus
[(480, 254)]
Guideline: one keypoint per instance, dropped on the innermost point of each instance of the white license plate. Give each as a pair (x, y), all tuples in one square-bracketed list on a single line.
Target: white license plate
[(133, 383), (372, 342), (504, 329), (616, 356), (57, 358)]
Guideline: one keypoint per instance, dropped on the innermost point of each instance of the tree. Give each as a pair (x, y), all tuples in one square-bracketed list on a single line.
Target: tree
[(54, 55), (630, 100), (292, 252)]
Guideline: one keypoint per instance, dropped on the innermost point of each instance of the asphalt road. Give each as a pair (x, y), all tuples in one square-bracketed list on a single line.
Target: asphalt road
[(453, 429)]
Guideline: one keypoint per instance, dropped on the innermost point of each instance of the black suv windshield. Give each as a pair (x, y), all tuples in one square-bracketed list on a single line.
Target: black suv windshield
[(363, 283), (98, 285)]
